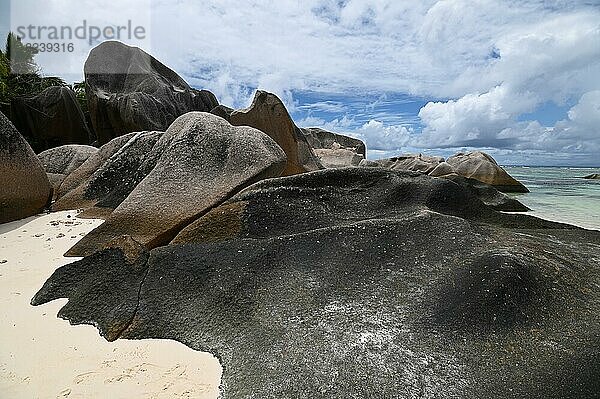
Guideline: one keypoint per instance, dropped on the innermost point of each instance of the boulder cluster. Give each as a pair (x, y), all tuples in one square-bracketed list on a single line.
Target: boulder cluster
[(475, 165), (133, 99), (308, 270)]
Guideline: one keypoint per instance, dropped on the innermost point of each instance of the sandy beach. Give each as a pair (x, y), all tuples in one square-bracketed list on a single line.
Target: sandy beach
[(43, 356)]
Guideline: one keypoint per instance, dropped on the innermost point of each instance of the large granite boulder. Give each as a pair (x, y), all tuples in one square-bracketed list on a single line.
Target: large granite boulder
[(268, 114), (51, 119), (322, 139), (80, 175), (128, 90), (356, 282), (222, 111), (481, 166), (368, 163), (113, 180), (488, 194), (25, 186), (411, 162), (335, 150), (442, 169), (61, 161), (199, 162)]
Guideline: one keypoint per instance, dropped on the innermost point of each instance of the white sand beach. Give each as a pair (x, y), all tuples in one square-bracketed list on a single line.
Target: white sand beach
[(42, 356)]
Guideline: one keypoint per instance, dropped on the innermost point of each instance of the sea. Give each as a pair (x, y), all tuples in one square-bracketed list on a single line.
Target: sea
[(560, 194)]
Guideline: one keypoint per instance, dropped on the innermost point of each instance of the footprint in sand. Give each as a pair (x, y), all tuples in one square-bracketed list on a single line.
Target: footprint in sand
[(64, 393), (84, 377), (179, 370)]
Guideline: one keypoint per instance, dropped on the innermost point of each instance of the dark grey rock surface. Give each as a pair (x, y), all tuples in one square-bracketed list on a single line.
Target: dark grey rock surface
[(59, 162), (128, 90), (110, 184), (71, 192), (355, 283), (51, 119), (489, 195), (25, 189), (222, 111)]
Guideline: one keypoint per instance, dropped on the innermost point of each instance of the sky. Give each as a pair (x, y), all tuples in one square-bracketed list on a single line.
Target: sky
[(518, 79)]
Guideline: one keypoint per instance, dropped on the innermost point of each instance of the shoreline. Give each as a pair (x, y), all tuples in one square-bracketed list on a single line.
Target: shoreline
[(44, 356)]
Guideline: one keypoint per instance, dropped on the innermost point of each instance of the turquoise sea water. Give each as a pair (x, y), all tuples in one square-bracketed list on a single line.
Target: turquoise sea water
[(559, 194)]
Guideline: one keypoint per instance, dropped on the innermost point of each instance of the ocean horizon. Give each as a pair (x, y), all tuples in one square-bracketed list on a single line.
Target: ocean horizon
[(560, 194)]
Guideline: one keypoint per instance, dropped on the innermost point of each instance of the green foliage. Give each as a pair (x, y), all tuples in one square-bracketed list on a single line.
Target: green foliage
[(19, 74), (79, 89)]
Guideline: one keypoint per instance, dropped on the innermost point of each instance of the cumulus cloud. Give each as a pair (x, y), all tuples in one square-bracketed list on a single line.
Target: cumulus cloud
[(382, 137), (378, 135), (474, 121), (555, 60)]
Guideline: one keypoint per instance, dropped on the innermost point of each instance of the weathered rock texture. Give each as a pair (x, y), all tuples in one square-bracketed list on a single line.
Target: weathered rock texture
[(61, 161), (360, 283), (25, 187), (198, 163), (51, 119), (481, 166), (114, 179), (593, 176), (442, 169), (128, 90), (335, 150), (268, 114), (488, 194), (222, 111), (79, 177), (322, 139), (412, 162)]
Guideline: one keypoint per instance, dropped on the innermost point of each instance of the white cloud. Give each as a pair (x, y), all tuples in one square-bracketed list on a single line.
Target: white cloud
[(378, 135), (481, 121), (475, 119), (382, 137), (554, 60)]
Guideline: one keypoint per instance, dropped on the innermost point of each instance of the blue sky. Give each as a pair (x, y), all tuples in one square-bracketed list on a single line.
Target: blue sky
[(519, 79)]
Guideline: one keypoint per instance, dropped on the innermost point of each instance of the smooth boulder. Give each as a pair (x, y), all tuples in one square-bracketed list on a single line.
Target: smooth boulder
[(25, 187), (322, 139), (268, 114), (59, 162), (481, 166), (51, 119), (411, 162), (80, 175), (361, 282), (442, 169), (335, 150), (488, 194), (128, 90), (199, 162), (114, 179)]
